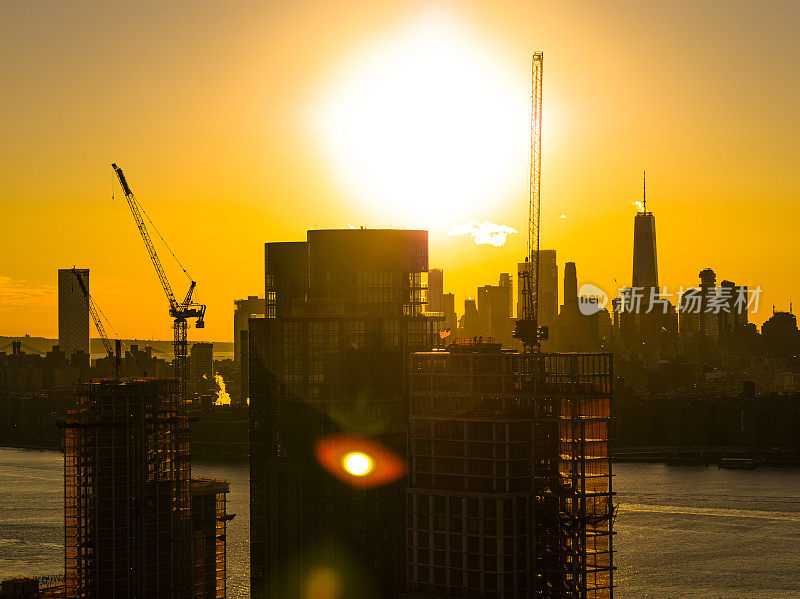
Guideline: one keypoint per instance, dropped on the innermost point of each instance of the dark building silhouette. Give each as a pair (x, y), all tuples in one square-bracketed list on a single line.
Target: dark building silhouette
[(574, 331), (449, 303), (130, 526), (201, 366), (469, 325), (344, 310), (73, 316), (494, 304), (734, 308), (548, 287), (435, 290), (780, 334), (645, 261), (646, 322), (510, 478), (244, 310)]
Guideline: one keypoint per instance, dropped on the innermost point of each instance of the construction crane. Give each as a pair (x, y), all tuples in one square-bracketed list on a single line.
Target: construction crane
[(180, 312), (527, 326), (98, 323)]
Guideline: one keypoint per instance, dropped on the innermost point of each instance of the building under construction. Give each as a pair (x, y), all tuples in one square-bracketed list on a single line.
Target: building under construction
[(510, 479), (136, 523)]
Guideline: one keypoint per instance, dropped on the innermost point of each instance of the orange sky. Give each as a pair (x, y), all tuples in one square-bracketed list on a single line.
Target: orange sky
[(222, 116)]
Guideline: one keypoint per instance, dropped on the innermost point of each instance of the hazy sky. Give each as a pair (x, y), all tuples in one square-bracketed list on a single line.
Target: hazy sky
[(245, 122)]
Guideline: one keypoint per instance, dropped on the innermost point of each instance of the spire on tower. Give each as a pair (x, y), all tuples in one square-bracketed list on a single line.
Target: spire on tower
[(644, 191)]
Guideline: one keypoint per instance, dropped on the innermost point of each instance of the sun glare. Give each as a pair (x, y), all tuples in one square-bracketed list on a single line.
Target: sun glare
[(428, 124), (357, 463)]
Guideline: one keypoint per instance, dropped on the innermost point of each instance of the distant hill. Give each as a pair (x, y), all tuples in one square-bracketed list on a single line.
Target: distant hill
[(222, 349)]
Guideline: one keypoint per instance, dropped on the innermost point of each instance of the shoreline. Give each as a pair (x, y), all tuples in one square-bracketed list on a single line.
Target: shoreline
[(779, 457)]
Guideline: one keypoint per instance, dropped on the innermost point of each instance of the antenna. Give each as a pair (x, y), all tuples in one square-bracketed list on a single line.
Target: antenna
[(644, 191)]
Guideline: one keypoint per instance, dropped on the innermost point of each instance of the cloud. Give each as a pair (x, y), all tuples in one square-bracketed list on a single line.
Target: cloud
[(485, 232), (18, 293)]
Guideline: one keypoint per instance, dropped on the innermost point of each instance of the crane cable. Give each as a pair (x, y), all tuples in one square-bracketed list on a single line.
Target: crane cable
[(124, 345), (160, 236)]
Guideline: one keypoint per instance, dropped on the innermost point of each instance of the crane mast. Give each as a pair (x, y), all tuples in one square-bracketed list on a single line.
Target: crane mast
[(180, 312), (527, 326)]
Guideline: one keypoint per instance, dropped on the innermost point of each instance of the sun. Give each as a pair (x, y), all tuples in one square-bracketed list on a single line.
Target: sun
[(426, 125)]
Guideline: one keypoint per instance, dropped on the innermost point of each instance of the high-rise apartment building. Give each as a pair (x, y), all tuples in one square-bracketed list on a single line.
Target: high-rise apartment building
[(510, 477), (73, 315), (136, 524), (328, 361)]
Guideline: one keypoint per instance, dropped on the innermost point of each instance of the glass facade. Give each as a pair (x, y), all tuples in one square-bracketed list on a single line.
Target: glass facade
[(344, 312)]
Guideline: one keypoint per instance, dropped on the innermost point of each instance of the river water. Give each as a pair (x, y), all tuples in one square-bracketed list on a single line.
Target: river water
[(682, 531)]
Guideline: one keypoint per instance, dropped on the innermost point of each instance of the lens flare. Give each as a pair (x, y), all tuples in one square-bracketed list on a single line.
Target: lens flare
[(359, 461)]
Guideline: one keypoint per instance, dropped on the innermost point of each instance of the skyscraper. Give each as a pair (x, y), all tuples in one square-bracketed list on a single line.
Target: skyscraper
[(509, 491), (201, 366), (548, 287), (435, 290), (573, 331), (344, 309), (494, 310), (645, 262), (644, 326), (709, 332), (73, 315), (449, 309), (242, 311)]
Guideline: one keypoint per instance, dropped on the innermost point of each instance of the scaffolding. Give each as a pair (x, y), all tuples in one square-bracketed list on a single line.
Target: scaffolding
[(209, 521), (573, 522), (510, 479), (127, 491)]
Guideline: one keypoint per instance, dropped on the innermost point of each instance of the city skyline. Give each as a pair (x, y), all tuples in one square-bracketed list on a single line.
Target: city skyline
[(335, 298), (237, 180)]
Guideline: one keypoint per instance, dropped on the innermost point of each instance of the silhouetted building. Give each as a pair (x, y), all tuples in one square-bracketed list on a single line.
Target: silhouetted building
[(494, 311), (469, 325), (244, 309), (73, 316), (647, 320), (510, 477), (129, 527), (708, 316), (573, 330), (645, 261), (548, 287), (327, 362), (733, 310), (780, 335), (435, 290), (449, 304), (201, 364)]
